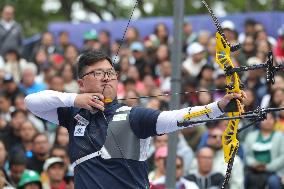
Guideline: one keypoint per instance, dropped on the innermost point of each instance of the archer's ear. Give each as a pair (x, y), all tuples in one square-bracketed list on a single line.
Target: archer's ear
[(80, 84)]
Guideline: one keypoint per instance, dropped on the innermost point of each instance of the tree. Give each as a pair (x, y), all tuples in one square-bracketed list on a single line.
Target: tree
[(34, 20)]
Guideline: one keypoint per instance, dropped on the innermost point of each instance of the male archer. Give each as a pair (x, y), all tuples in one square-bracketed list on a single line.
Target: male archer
[(108, 141)]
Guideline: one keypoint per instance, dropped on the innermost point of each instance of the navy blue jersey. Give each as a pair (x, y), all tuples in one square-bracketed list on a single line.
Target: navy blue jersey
[(106, 173)]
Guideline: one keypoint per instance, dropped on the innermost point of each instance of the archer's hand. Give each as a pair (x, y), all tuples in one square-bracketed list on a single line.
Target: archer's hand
[(228, 97), (90, 101)]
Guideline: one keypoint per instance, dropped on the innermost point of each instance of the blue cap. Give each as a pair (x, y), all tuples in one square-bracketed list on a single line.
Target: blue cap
[(137, 46)]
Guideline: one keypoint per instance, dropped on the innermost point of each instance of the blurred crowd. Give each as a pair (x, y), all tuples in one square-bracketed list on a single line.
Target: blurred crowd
[(34, 153)]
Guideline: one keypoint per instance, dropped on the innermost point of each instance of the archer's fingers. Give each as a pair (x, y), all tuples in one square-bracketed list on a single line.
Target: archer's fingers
[(96, 100), (97, 105)]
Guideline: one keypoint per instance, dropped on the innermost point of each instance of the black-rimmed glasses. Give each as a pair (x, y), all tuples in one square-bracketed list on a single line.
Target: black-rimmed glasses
[(100, 74)]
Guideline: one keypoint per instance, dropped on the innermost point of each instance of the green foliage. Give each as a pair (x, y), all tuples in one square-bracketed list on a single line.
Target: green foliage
[(34, 20)]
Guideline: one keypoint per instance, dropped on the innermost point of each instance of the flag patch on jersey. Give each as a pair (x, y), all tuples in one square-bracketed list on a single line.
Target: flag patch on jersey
[(79, 130)]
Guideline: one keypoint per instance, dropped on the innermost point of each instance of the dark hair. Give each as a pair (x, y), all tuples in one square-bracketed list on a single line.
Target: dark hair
[(17, 111), (57, 147), (18, 159), (39, 134), (89, 58)]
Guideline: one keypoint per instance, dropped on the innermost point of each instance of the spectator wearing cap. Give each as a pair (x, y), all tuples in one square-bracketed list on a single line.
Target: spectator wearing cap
[(11, 88), (159, 161), (91, 40), (230, 31), (10, 31), (137, 49), (29, 85), (181, 183), (30, 180), (55, 170), (195, 59), (14, 64), (183, 150), (256, 79)]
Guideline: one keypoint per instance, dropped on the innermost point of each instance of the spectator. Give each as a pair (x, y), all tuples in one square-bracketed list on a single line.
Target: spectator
[(5, 180), (40, 151), (3, 155), (27, 132), (206, 77), (161, 31), (91, 41), (165, 77), (181, 183), (14, 64), (188, 34), (278, 50), (11, 88), (30, 180), (63, 42), (54, 168), (61, 137), (137, 50), (255, 79), (29, 85), (61, 152), (104, 39), (279, 125), (230, 31), (249, 29), (129, 101), (205, 178), (159, 161), (195, 59), (47, 44), (18, 164), (203, 38), (133, 73), (70, 54), (70, 84), (264, 157), (6, 107), (132, 35), (215, 142), (56, 83), (10, 31), (183, 150), (11, 132)]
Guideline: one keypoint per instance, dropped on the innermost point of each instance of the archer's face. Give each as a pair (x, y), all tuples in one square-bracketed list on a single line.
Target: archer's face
[(106, 85)]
